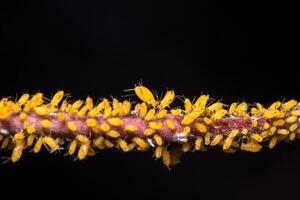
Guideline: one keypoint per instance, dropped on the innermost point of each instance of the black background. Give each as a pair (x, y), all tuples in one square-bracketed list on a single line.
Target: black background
[(234, 51)]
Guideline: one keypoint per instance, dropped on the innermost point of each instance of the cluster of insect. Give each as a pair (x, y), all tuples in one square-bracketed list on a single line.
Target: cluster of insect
[(81, 128)]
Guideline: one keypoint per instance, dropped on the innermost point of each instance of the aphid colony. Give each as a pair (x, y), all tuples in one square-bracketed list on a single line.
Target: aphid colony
[(82, 128)]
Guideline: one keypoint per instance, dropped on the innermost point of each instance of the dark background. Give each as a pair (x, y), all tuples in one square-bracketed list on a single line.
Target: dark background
[(234, 51)]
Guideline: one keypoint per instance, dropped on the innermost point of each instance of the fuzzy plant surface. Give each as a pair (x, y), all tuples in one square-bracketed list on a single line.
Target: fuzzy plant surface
[(82, 128)]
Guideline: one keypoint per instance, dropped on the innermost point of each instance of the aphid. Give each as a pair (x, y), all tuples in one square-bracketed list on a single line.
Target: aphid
[(99, 142), (50, 142), (57, 98), (115, 121), (17, 151), (166, 157), (252, 147), (158, 152), (167, 100), (170, 124), (200, 127), (72, 126), (130, 128), (113, 134), (38, 145), (46, 123), (83, 150), (155, 125), (149, 116), (188, 105), (198, 143), (82, 138), (216, 140), (30, 140), (23, 99), (145, 95), (123, 144), (158, 139)]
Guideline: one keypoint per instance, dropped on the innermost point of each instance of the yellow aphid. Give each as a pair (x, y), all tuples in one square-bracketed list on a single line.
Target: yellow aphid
[(264, 134), (4, 113), (167, 100), (227, 143), (142, 108), (145, 95), (207, 139), (282, 132), (108, 143), (252, 147), (289, 105), (116, 107), (149, 116), (130, 128), (266, 125), (91, 122), (83, 111), (123, 144), (170, 124), (215, 107), (23, 116), (23, 99), (5, 142), (254, 123), (166, 157), (188, 119), (176, 112), (201, 101), (115, 121), (104, 127), (161, 114), (30, 129), (50, 142), (41, 110), (254, 111), (158, 139), (186, 130), (83, 151), (13, 107), (186, 147), (292, 136), (293, 127), (30, 140), (233, 133), (63, 106), (99, 142), (269, 114), (279, 122), (89, 102), (296, 113), (113, 134), (257, 137), (38, 145), (291, 119), (245, 131), (107, 112), (91, 151), (158, 152), (131, 146), (149, 132), (232, 108), (155, 125), (140, 142), (188, 105), (216, 140), (57, 98), (72, 126), (95, 111), (242, 107), (272, 142), (19, 136), (126, 106), (82, 138), (17, 152), (272, 130), (275, 105), (200, 127), (207, 120), (76, 105), (45, 123), (198, 143), (219, 114)]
